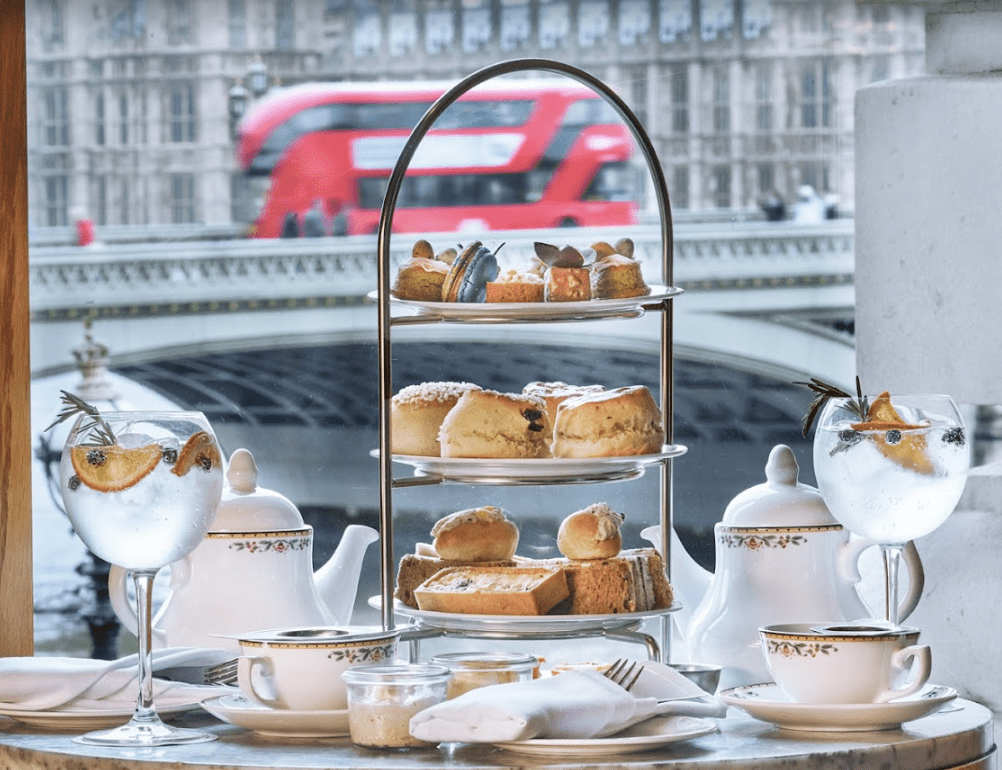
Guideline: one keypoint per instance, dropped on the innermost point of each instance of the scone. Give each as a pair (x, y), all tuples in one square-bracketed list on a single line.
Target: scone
[(555, 393), (615, 423), (486, 423), (416, 414)]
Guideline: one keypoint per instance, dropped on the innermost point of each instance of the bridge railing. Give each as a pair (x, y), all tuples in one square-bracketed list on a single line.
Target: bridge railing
[(121, 275)]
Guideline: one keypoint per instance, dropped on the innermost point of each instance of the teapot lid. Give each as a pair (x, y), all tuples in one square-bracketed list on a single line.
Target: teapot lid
[(782, 501), (246, 507)]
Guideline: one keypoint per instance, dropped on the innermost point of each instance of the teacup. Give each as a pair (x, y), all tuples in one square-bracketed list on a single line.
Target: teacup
[(845, 663), (299, 669)]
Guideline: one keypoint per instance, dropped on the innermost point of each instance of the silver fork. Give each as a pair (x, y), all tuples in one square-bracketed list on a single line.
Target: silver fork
[(622, 673), (221, 673)]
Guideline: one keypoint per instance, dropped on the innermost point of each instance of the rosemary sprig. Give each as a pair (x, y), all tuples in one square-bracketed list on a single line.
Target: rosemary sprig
[(74, 405), (859, 408)]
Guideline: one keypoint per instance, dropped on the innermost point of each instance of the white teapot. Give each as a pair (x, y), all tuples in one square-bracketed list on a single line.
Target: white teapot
[(253, 570), (781, 557)]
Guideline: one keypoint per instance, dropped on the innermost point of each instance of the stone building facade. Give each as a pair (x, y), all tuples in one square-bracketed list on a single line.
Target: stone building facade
[(128, 99)]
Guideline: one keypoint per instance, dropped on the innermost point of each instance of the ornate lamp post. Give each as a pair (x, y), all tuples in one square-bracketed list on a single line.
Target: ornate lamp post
[(96, 388)]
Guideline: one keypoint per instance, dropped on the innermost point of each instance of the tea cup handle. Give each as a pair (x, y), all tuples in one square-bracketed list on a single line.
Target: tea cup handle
[(849, 567), (246, 666), (919, 658)]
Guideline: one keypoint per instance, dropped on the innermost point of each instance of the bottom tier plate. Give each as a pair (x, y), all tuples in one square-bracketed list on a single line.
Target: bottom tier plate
[(526, 625)]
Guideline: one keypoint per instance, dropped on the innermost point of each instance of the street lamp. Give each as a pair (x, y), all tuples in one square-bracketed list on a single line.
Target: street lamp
[(238, 102), (97, 389), (257, 76)]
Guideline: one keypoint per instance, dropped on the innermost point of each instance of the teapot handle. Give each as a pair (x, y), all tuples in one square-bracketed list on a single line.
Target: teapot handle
[(849, 567), (126, 610)]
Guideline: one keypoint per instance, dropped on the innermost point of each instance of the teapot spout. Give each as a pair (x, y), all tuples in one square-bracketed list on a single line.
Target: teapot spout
[(337, 581), (689, 580)]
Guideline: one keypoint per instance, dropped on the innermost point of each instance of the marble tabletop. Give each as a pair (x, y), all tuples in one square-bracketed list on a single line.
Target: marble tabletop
[(959, 736)]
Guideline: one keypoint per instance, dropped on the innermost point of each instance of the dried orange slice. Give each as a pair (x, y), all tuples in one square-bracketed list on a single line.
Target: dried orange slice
[(909, 450), (201, 450), (114, 468)]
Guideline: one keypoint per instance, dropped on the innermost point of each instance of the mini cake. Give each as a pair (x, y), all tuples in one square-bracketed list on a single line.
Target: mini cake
[(592, 533), (617, 276), (614, 423), (515, 286), (486, 423), (568, 284), (420, 279), (416, 414)]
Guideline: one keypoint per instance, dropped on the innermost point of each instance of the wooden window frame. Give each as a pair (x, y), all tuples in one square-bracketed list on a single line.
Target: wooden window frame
[(16, 614)]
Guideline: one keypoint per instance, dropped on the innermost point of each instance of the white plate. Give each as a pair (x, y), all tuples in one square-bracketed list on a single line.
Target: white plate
[(89, 719), (530, 312), (523, 625), (237, 710), (768, 703), (549, 470), (651, 734)]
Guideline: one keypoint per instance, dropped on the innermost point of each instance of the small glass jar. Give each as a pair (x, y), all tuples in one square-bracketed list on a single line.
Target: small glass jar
[(382, 700), (471, 670)]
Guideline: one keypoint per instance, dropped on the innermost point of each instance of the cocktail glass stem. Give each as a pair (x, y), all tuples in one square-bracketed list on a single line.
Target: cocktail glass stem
[(145, 727), (892, 561)]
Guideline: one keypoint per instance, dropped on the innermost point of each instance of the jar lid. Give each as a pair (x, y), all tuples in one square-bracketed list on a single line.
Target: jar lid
[(782, 501), (397, 674), (246, 507), (485, 661)]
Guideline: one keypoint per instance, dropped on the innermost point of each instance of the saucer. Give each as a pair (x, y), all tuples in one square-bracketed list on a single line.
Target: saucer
[(768, 703), (650, 734), (89, 719), (237, 710)]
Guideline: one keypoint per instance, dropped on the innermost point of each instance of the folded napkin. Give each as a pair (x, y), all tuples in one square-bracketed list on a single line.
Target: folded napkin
[(575, 704), (63, 684)]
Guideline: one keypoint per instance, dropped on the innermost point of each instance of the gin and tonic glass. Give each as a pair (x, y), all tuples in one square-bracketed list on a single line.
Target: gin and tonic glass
[(891, 469), (141, 490)]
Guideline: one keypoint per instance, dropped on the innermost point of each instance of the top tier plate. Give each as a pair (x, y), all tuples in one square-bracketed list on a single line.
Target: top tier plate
[(533, 312)]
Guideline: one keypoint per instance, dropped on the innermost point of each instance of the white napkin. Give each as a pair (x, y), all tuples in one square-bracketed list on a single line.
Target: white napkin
[(575, 704), (59, 683)]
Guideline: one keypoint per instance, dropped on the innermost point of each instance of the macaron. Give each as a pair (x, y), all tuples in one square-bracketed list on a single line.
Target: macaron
[(469, 274)]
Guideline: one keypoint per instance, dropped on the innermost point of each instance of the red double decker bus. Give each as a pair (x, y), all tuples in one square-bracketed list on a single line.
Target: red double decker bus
[(509, 154)]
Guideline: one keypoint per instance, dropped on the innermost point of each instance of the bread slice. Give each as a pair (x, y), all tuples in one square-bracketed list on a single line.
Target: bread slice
[(493, 590)]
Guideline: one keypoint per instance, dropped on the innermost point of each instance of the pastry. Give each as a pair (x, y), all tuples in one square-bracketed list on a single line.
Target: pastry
[(415, 568), (486, 423), (515, 286), (420, 279), (592, 533), (529, 590), (477, 534), (614, 423), (469, 273), (617, 276), (422, 249), (416, 414), (568, 284)]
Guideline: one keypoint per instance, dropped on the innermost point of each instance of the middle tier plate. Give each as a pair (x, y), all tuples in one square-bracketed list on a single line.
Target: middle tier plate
[(526, 625), (550, 470)]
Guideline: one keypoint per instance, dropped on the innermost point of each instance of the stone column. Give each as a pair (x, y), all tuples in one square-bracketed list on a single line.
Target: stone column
[(929, 301)]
